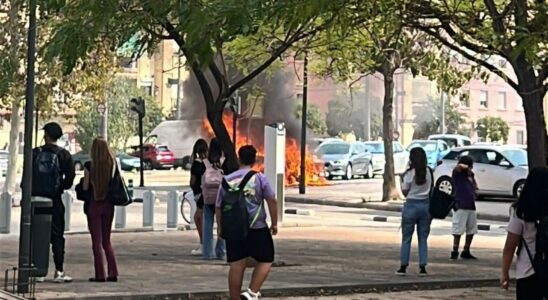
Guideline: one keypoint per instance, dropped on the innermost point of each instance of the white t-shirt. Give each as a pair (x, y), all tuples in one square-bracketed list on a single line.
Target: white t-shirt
[(528, 231), (416, 192)]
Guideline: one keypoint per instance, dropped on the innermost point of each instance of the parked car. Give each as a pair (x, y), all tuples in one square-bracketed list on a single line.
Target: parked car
[(345, 159), (156, 156), (128, 162), (453, 140), (80, 159), (4, 163), (435, 150), (500, 170), (401, 157)]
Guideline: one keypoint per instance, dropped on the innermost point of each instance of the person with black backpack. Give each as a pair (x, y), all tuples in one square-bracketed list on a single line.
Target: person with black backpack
[(241, 221), (528, 233), (52, 174)]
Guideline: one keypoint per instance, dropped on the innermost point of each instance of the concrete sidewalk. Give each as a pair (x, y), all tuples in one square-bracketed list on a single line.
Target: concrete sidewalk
[(310, 261)]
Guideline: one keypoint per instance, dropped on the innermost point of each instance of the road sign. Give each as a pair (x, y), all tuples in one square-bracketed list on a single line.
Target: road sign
[(101, 108)]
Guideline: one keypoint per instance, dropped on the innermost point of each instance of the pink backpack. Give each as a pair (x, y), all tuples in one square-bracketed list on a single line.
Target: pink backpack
[(211, 181)]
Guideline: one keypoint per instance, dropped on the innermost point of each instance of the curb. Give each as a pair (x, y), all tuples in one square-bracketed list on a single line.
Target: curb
[(312, 291), (300, 212), (384, 206)]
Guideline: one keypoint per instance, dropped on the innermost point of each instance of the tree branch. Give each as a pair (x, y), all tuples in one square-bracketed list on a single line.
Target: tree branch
[(473, 58), (498, 25)]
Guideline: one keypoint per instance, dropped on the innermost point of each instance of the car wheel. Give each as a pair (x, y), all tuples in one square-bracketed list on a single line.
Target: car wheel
[(78, 166), (147, 165), (445, 184), (518, 188), (348, 174), (369, 173)]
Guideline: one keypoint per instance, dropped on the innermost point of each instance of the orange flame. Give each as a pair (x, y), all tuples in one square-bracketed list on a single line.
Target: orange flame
[(292, 155)]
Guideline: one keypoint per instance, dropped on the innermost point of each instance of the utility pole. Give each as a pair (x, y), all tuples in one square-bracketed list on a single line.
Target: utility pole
[(178, 105), (367, 127), (137, 105), (36, 127), (302, 177), (25, 224)]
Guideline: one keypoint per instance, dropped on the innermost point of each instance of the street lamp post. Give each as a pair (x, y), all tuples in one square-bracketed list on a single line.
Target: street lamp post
[(178, 105), (25, 224), (302, 177)]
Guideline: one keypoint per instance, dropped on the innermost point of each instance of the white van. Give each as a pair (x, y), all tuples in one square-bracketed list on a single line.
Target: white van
[(452, 140), (179, 136)]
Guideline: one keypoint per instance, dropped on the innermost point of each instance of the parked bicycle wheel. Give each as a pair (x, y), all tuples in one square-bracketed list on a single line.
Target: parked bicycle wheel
[(186, 206)]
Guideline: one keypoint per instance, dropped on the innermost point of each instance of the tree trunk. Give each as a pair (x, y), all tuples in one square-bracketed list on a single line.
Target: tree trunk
[(13, 148), (389, 191), (215, 117), (537, 138)]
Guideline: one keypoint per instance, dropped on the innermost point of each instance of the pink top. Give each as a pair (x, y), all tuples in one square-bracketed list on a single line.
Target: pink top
[(528, 231)]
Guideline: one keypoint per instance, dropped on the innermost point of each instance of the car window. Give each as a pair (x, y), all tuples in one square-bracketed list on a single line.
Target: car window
[(162, 149), (443, 147), (482, 156), (398, 148), (453, 155), (330, 149), (375, 147), (517, 157), (466, 143), (427, 146), (359, 148), (451, 142)]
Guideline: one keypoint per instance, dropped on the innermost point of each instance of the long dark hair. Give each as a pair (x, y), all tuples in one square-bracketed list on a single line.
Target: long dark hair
[(200, 150), (215, 153), (533, 201), (418, 160)]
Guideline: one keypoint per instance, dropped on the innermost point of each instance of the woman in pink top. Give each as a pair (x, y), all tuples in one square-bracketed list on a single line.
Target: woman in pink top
[(522, 233)]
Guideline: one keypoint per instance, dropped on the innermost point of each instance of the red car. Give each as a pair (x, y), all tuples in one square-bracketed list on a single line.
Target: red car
[(156, 157)]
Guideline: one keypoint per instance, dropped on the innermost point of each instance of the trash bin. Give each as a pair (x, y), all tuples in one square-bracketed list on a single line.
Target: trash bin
[(41, 210)]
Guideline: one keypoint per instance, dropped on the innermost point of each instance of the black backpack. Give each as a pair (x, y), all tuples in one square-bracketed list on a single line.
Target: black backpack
[(234, 214), (46, 173), (441, 203), (540, 260)]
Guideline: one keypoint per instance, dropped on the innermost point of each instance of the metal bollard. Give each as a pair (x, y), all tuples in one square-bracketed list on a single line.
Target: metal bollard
[(67, 202), (173, 209), (120, 222), (148, 208), (5, 212)]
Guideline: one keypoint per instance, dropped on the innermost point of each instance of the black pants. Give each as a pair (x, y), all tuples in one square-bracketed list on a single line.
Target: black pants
[(530, 288), (58, 234)]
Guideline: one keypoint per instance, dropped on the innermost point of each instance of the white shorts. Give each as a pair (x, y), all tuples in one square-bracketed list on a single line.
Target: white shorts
[(465, 221)]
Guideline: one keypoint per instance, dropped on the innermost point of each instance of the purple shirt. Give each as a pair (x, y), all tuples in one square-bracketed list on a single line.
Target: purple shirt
[(257, 190), (465, 190)]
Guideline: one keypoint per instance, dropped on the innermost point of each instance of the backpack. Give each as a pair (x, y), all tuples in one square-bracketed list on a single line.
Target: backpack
[(46, 173), (211, 181), (234, 215), (441, 203), (540, 260)]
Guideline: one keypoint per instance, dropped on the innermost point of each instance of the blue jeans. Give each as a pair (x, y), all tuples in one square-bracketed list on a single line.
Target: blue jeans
[(415, 213), (207, 235)]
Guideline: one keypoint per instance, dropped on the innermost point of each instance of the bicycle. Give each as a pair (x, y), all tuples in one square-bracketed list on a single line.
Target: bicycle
[(188, 207)]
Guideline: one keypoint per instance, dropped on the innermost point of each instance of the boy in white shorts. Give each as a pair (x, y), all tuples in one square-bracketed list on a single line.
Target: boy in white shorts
[(464, 216)]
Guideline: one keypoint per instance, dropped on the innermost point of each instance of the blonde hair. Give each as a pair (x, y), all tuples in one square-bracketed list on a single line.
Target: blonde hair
[(102, 163)]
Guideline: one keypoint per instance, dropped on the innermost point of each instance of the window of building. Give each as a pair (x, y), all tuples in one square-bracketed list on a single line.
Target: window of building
[(483, 99), (464, 100), (502, 100), (520, 137)]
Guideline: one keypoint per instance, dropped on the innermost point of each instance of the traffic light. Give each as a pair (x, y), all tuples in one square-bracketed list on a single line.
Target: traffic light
[(137, 105)]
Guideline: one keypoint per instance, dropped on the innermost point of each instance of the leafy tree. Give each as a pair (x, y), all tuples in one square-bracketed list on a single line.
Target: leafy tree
[(486, 31), (122, 124), (315, 120), (254, 34), (382, 43), (428, 119), (493, 129)]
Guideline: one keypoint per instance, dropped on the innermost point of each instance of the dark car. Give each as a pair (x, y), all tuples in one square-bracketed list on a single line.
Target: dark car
[(79, 159), (156, 157), (128, 162)]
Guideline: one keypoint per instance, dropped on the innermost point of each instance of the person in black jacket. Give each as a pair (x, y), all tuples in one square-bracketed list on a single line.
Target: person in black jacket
[(52, 133)]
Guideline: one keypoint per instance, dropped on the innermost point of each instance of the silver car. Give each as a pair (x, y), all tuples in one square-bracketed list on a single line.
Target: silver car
[(345, 159), (401, 157)]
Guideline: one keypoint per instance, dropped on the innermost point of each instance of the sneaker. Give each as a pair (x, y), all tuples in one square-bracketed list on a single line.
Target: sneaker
[(196, 252), (423, 272), (249, 295), (402, 271), (61, 277), (454, 255), (467, 255)]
